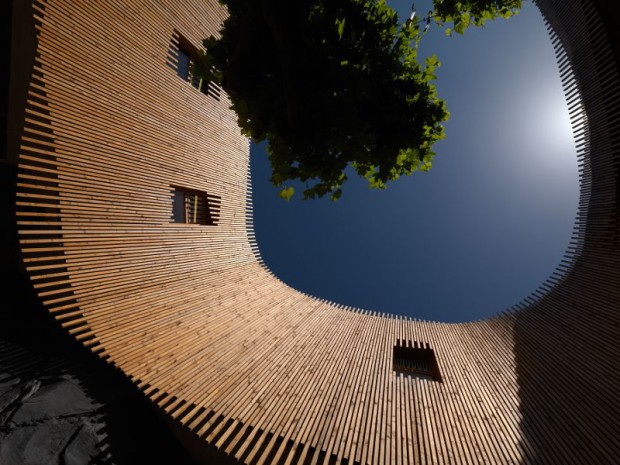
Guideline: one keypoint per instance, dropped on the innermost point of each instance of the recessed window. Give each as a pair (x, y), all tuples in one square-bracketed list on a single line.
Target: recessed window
[(191, 206), (416, 359), (181, 57)]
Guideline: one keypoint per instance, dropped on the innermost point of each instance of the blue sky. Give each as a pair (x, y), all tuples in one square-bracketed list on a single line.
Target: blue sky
[(480, 231)]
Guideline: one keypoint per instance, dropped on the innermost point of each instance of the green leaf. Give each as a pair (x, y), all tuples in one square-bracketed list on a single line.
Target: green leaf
[(286, 193), (340, 24), (432, 62)]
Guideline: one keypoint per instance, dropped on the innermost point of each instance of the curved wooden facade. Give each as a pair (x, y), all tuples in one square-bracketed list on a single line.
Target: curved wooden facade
[(253, 367)]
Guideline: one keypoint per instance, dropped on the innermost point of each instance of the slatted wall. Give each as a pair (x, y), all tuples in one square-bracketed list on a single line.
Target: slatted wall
[(263, 372)]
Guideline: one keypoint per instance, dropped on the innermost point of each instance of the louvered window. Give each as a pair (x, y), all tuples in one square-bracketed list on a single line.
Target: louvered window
[(195, 207), (181, 57), (416, 359)]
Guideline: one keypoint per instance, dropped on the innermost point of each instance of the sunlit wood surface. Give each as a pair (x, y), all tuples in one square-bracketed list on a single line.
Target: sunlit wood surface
[(263, 372)]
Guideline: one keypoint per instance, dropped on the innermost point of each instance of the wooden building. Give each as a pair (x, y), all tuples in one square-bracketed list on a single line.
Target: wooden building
[(135, 225)]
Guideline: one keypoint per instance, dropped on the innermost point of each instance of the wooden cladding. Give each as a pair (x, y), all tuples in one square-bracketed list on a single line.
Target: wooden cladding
[(182, 55), (267, 374), (194, 207), (416, 359)]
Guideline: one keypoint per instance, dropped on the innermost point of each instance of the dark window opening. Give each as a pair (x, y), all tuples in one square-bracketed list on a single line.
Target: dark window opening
[(416, 359), (184, 64), (181, 57), (195, 207)]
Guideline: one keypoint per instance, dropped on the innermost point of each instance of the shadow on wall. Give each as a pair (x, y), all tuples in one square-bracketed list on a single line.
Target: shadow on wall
[(567, 371), (58, 402), (567, 344)]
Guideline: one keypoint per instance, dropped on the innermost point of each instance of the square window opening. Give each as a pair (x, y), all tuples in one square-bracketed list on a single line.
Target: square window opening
[(182, 55), (416, 359), (192, 206)]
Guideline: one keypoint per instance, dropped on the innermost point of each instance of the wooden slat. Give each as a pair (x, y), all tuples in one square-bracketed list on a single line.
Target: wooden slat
[(267, 374)]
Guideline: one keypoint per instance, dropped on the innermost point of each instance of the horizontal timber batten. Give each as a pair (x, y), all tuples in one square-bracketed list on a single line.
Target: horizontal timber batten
[(260, 371)]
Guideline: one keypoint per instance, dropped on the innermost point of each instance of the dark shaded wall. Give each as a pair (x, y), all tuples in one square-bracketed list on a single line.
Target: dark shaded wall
[(17, 60), (567, 343), (6, 12), (40, 363)]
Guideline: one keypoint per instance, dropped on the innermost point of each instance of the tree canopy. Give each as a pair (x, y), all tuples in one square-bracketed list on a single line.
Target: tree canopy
[(335, 83), (464, 13)]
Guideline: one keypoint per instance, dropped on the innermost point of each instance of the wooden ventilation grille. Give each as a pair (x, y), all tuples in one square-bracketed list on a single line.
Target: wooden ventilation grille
[(181, 56), (416, 359), (195, 207)]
